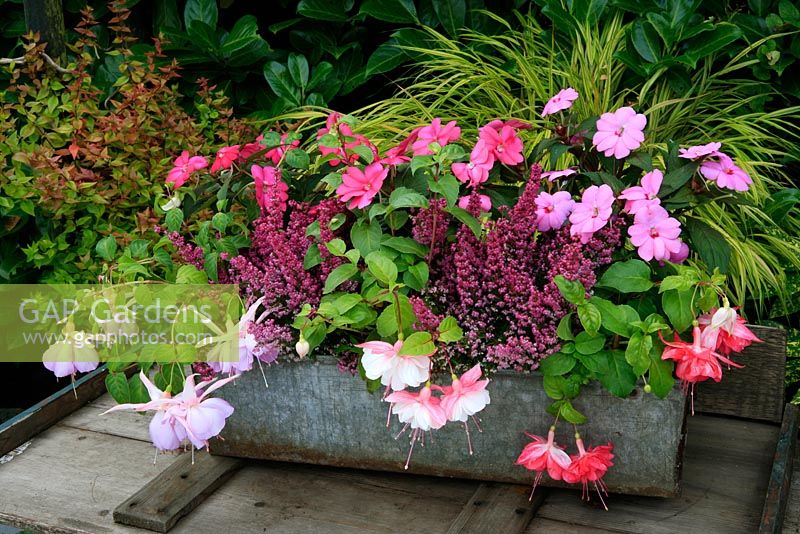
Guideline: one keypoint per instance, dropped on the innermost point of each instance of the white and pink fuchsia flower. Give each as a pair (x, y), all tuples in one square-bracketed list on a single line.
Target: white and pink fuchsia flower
[(383, 361)]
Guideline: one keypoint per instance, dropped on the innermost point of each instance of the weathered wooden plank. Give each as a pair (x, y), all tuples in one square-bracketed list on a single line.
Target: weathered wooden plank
[(540, 525), (42, 415), (725, 478), (497, 508), (131, 425), (781, 477), (755, 391), (176, 491), (791, 518)]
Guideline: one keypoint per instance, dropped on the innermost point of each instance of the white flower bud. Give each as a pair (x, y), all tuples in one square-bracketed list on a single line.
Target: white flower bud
[(302, 347)]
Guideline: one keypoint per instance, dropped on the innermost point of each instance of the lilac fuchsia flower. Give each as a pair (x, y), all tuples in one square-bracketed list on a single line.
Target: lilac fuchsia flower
[(504, 144), (226, 156), (199, 417), (360, 187), (561, 101), (552, 176), (435, 133), (700, 151), (383, 361), (240, 339), (725, 173), (638, 197), (552, 210), (485, 203), (270, 189), (184, 166), (592, 212), (74, 354), (655, 234), (620, 132), (421, 411)]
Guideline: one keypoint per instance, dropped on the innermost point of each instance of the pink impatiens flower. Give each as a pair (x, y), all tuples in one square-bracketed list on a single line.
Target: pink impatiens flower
[(504, 144), (485, 203), (250, 149), (271, 191), (542, 455), (700, 151), (561, 101), (620, 132), (476, 171), (655, 233), (421, 411), (725, 173), (360, 187), (383, 361), (226, 156), (552, 210), (592, 212), (435, 133), (552, 176), (638, 197), (185, 165), (276, 153)]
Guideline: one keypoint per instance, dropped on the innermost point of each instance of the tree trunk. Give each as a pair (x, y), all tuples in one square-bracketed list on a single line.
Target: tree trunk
[(47, 18)]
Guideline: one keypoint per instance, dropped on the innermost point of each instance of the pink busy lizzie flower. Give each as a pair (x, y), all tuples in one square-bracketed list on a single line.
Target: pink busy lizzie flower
[(552, 210), (540, 456), (394, 156), (382, 360), (563, 100), (681, 255), (620, 132), (655, 234), (465, 397), (700, 151), (185, 165), (504, 145), (638, 197), (269, 187), (421, 411), (74, 354), (552, 176), (360, 187), (725, 331), (276, 153), (226, 156), (592, 212), (435, 133), (476, 171), (485, 202), (590, 466), (351, 140), (249, 149), (725, 173), (517, 124)]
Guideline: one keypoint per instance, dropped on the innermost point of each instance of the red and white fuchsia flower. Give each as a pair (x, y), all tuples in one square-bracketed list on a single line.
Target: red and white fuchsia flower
[(589, 466), (544, 456)]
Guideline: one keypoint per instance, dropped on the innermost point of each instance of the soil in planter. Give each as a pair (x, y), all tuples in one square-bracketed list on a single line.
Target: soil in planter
[(24, 384)]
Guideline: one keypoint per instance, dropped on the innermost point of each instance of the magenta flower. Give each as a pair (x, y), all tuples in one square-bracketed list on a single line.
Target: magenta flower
[(249, 149), (552, 210), (620, 132), (655, 234), (276, 153), (394, 156), (563, 100), (638, 197), (504, 144), (544, 456), (725, 173), (476, 171), (681, 255), (185, 165), (435, 133), (552, 176), (270, 189), (592, 213), (226, 156), (360, 187), (485, 202), (700, 151)]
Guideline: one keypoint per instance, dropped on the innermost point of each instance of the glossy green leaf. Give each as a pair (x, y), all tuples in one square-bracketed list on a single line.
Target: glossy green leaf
[(678, 307), (418, 344), (397, 11), (557, 364), (382, 268), (449, 331), (339, 275), (632, 276)]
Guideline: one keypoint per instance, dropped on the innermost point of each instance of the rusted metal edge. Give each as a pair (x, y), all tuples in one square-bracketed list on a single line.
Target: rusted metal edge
[(781, 478)]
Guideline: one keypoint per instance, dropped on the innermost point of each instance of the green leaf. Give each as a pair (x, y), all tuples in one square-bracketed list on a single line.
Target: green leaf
[(279, 81), (106, 248), (416, 277), (418, 344), (645, 41), (387, 322), (616, 318), (189, 274), (403, 197), (710, 244), (201, 10), (554, 386), (586, 343), (174, 219), (297, 65), (619, 379), (557, 364), (382, 268), (572, 290), (312, 257), (138, 392), (637, 354), (709, 42), (398, 11), (165, 16), (449, 331), (632, 276), (676, 178), (660, 376), (466, 219), (220, 221), (366, 237), (243, 45), (297, 158), (117, 386), (447, 186), (678, 307), (589, 316), (339, 275), (386, 57), (325, 10), (451, 13), (337, 247), (407, 245), (564, 330)]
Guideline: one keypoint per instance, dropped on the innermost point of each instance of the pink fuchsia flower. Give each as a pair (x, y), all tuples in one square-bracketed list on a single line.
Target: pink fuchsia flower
[(383, 361), (421, 411), (226, 156), (74, 354), (185, 165), (655, 234), (485, 202), (504, 145), (700, 151), (590, 466), (276, 153), (561, 101), (638, 197), (435, 133), (592, 212), (360, 187), (725, 331), (725, 173), (552, 176), (271, 191), (552, 210), (465, 397), (544, 456), (199, 417), (620, 132)]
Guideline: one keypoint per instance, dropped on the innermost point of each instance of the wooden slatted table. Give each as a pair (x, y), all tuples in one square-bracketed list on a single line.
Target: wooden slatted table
[(72, 477)]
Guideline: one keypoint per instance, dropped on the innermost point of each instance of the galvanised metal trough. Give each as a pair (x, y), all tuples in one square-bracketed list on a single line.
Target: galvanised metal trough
[(312, 413)]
